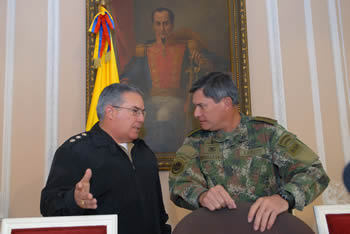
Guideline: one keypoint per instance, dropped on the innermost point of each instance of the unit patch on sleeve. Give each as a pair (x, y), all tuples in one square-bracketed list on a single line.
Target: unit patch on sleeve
[(178, 166), (296, 149)]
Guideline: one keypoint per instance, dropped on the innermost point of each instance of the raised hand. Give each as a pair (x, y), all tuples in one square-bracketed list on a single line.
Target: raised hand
[(82, 195)]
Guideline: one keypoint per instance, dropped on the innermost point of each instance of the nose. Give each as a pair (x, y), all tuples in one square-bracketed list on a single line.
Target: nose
[(197, 112), (141, 118), (162, 27)]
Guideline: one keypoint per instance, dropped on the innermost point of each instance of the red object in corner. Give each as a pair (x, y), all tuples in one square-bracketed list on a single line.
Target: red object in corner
[(338, 223), (63, 230)]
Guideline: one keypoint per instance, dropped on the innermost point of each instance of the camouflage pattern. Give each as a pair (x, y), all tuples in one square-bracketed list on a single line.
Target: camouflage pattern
[(257, 159)]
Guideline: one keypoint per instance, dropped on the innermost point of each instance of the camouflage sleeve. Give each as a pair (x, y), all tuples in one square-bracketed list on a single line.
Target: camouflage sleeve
[(186, 181), (300, 170)]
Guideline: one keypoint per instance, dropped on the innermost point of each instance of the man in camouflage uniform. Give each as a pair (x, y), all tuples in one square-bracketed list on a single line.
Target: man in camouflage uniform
[(239, 158)]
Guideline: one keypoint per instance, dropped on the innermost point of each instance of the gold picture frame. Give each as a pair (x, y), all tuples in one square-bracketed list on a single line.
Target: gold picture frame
[(233, 37)]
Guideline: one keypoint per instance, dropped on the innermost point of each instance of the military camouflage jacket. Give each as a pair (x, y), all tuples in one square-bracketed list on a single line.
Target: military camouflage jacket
[(257, 159)]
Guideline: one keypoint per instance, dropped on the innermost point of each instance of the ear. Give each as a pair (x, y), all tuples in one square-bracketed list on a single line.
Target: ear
[(109, 110), (227, 101)]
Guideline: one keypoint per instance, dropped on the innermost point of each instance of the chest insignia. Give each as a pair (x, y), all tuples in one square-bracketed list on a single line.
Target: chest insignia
[(210, 152)]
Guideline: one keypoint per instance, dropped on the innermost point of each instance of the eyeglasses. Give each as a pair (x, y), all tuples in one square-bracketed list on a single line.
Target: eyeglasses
[(135, 111)]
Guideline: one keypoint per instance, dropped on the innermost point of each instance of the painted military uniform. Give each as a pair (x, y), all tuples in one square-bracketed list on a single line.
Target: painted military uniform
[(259, 158)]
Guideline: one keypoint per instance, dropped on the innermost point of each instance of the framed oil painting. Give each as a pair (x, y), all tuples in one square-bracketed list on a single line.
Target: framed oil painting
[(162, 47)]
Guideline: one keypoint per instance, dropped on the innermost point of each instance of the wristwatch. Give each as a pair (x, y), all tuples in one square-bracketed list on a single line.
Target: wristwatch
[(288, 197)]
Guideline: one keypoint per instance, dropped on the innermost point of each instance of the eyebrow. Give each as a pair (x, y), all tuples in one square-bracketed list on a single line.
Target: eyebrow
[(136, 107)]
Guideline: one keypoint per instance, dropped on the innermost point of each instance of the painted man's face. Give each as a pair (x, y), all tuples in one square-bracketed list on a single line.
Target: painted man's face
[(162, 25)]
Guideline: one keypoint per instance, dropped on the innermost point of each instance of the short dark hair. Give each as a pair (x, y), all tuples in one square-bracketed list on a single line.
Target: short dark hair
[(170, 13), (113, 95), (217, 85)]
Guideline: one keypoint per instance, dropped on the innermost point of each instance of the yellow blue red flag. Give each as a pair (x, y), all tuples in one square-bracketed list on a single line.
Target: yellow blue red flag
[(104, 60)]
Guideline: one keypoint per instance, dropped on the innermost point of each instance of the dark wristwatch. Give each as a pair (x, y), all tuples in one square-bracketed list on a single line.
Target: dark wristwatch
[(288, 197)]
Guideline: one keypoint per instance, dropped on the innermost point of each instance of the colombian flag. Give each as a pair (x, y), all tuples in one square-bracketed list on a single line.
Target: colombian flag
[(104, 60)]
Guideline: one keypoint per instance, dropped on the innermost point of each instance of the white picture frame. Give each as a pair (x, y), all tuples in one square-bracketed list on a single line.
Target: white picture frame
[(322, 210), (110, 221)]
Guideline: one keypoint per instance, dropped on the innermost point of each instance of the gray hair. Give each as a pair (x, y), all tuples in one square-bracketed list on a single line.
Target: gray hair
[(217, 85), (113, 95)]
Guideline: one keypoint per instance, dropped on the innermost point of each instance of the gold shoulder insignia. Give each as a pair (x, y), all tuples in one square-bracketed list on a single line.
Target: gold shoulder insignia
[(140, 50), (193, 131), (265, 120), (193, 45)]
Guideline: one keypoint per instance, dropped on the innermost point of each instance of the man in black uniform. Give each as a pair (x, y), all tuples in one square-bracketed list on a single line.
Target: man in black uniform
[(109, 170)]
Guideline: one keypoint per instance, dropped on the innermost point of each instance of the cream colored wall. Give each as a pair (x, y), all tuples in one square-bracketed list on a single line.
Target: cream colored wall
[(71, 117), (29, 109), (27, 149), (29, 94), (2, 68)]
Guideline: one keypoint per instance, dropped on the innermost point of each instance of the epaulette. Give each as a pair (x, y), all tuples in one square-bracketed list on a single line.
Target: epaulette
[(193, 132), (78, 137), (265, 120), (140, 50), (193, 45)]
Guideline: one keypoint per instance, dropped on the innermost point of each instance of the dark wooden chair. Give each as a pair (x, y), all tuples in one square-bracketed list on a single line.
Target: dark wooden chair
[(226, 221)]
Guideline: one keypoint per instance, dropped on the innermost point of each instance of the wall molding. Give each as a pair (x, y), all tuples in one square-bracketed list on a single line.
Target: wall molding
[(346, 76), (276, 62), (8, 99), (310, 41), (340, 73), (52, 82)]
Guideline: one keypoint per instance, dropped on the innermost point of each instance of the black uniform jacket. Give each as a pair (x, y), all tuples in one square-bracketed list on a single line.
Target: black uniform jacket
[(130, 189)]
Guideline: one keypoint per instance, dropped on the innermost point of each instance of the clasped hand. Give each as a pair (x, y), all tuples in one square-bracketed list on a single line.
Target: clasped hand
[(263, 211)]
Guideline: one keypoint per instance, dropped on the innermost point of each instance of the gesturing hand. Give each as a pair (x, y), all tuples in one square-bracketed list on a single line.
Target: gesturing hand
[(265, 211), (82, 195), (216, 198)]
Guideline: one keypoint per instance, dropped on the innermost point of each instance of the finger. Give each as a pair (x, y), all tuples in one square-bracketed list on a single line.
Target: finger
[(79, 186), (272, 220), (224, 197), (208, 199), (86, 196), (258, 217), (210, 206), (82, 192), (206, 202), (87, 176), (231, 204), (228, 201), (252, 210), (213, 199), (89, 204), (265, 217), (218, 199)]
